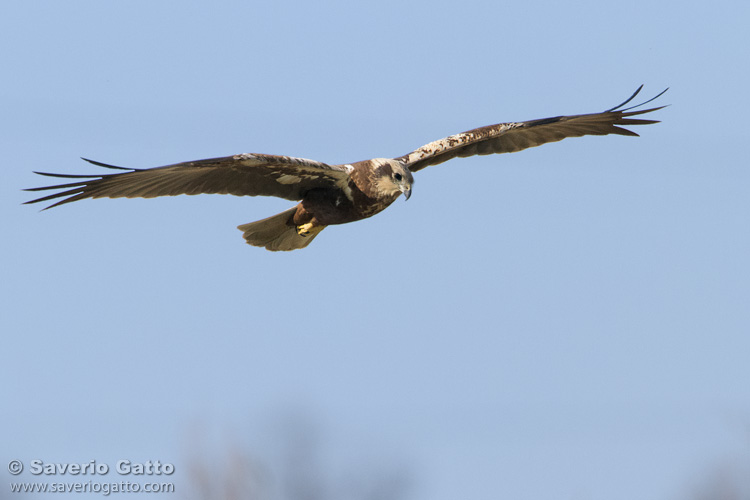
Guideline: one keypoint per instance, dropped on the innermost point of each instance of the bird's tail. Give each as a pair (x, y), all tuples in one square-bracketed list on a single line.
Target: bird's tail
[(278, 233)]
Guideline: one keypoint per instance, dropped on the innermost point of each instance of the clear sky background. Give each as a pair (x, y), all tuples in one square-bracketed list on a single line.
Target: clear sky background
[(568, 322)]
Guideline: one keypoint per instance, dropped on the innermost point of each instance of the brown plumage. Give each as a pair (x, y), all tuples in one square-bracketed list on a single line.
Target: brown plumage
[(331, 194)]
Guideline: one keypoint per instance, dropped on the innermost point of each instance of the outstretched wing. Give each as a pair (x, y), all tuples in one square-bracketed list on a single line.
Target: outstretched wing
[(241, 175), (512, 137)]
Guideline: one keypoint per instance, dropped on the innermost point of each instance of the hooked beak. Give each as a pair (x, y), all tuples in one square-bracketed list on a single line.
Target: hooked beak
[(407, 193)]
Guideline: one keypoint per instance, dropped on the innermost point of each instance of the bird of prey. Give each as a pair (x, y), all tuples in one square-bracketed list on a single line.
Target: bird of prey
[(332, 194)]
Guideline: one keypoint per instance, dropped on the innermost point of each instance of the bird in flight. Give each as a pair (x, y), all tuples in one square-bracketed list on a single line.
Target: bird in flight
[(332, 194)]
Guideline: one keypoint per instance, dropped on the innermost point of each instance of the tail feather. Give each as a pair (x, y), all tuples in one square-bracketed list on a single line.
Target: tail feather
[(276, 233)]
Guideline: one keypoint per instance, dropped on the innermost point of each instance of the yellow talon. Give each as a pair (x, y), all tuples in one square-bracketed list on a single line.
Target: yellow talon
[(305, 230)]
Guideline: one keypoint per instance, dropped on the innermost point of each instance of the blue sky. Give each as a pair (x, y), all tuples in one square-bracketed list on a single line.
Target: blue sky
[(571, 321)]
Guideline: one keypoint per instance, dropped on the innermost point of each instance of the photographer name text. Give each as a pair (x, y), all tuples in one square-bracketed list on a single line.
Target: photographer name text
[(122, 467)]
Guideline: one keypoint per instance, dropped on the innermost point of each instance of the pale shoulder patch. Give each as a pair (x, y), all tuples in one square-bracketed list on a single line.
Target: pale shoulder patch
[(289, 179)]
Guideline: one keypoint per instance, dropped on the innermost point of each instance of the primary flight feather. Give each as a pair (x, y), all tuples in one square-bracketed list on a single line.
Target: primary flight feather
[(331, 194)]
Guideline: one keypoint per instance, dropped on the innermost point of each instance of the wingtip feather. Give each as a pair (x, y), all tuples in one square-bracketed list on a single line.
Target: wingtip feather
[(629, 99), (105, 165)]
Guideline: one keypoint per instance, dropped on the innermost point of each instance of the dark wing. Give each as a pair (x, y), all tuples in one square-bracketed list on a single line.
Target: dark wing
[(241, 175), (512, 137)]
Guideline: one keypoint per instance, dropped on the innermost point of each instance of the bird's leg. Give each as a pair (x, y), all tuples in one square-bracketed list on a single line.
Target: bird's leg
[(305, 222), (309, 229)]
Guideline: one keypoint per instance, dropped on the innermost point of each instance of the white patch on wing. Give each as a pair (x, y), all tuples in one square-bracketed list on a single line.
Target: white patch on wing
[(440, 146), (346, 189), (344, 185), (288, 179)]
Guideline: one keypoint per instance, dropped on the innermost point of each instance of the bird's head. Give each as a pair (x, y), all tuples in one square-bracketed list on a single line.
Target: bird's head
[(392, 177)]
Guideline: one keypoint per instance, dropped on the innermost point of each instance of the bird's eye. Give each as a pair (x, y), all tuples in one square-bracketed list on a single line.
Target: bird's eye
[(398, 176)]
